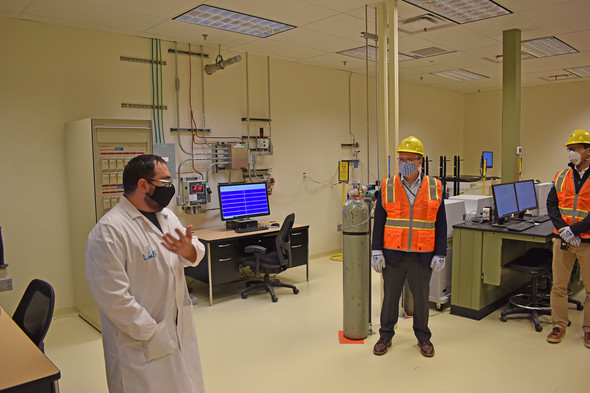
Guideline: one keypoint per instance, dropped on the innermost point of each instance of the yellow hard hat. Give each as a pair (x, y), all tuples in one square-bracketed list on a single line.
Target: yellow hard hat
[(578, 137), (411, 145)]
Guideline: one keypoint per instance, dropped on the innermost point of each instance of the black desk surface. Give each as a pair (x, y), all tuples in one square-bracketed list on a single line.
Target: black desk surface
[(544, 229)]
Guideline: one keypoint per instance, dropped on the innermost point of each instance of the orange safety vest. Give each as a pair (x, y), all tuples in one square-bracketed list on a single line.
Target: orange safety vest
[(573, 207), (410, 228)]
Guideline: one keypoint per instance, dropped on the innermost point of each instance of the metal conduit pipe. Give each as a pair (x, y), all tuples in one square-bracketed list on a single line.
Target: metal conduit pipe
[(269, 116), (367, 91), (393, 77), (190, 159), (211, 166), (203, 99), (178, 105), (248, 113)]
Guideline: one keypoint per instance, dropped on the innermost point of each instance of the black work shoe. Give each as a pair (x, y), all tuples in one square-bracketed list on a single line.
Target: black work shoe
[(426, 348), (381, 347)]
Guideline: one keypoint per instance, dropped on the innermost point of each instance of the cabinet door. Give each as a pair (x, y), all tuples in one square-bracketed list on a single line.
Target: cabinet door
[(299, 246), (225, 259)]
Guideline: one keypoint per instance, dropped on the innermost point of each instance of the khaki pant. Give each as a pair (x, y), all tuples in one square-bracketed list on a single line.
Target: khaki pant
[(563, 263)]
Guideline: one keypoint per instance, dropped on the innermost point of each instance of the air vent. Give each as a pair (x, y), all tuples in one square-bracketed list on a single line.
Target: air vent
[(422, 23), (430, 51), (559, 77), (498, 58)]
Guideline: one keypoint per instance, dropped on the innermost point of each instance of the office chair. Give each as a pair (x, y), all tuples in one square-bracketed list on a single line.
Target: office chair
[(537, 262), (35, 310), (273, 262)]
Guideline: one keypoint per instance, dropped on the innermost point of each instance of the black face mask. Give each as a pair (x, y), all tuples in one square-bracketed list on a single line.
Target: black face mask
[(163, 195)]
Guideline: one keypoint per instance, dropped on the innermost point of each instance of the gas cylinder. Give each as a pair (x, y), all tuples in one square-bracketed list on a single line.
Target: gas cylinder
[(355, 267)]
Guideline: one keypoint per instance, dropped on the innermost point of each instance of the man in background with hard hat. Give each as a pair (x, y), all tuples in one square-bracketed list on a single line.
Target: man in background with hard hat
[(568, 205), (409, 241)]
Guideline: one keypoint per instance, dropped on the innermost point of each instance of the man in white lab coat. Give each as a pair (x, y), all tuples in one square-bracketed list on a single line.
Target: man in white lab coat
[(135, 257)]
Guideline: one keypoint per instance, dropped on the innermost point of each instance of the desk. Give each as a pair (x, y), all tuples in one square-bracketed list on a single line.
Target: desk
[(223, 249), (480, 251), (24, 368)]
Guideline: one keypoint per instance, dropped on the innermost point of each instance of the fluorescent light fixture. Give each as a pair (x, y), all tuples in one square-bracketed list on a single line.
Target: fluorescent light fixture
[(361, 53), (462, 11), (582, 72), (546, 46), (459, 75), (219, 18)]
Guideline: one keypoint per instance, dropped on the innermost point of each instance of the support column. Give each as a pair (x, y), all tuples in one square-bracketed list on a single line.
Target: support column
[(393, 73), (511, 91), (382, 88)]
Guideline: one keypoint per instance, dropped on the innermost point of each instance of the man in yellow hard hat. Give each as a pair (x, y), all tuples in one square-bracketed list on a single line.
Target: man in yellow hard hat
[(568, 205), (409, 241)]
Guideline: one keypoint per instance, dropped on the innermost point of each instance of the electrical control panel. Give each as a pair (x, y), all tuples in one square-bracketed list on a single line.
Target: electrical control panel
[(112, 158), (194, 194), (97, 151)]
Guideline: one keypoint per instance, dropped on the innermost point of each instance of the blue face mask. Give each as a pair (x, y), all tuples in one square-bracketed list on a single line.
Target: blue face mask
[(407, 168)]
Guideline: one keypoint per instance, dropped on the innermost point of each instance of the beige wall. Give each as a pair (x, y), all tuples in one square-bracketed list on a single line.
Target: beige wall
[(548, 115), (51, 75)]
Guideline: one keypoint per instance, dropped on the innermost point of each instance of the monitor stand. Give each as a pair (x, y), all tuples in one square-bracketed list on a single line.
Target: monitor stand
[(241, 223)]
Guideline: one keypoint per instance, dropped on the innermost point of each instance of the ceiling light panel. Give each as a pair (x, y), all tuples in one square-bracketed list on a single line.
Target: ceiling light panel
[(462, 11), (219, 18), (546, 46), (361, 53), (582, 72), (459, 75)]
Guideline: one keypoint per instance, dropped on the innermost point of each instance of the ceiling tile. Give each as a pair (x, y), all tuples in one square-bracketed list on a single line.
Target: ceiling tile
[(279, 50)]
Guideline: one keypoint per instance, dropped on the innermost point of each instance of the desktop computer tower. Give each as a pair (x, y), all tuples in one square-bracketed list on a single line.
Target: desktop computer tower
[(542, 190)]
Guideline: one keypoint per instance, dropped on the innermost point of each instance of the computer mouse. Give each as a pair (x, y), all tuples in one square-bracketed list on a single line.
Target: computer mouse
[(274, 224)]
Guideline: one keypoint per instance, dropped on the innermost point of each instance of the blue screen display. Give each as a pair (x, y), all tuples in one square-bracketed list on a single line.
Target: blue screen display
[(489, 157), (505, 199), (525, 195), (241, 200)]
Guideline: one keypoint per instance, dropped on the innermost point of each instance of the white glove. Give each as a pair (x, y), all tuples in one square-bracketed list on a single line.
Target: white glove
[(567, 234), (377, 260), (438, 263), (576, 242)]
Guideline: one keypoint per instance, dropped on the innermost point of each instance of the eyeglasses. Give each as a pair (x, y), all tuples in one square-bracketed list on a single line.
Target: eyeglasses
[(408, 160), (166, 182)]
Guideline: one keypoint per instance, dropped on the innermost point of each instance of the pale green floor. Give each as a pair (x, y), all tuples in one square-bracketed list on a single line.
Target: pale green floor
[(255, 345)]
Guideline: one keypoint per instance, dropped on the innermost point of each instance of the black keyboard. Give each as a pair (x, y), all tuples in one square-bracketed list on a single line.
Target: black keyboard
[(250, 229), (520, 226), (542, 218)]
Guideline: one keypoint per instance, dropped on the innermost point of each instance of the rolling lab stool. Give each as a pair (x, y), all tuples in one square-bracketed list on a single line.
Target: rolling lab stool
[(537, 262)]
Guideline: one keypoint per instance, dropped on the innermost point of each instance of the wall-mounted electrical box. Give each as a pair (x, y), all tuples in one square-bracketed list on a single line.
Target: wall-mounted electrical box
[(194, 194), (239, 156)]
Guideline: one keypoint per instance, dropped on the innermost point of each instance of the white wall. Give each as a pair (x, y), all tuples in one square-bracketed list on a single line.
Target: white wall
[(51, 75)]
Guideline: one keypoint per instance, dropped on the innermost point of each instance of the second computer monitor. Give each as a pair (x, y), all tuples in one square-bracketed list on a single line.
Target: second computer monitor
[(505, 200), (488, 156), (525, 196)]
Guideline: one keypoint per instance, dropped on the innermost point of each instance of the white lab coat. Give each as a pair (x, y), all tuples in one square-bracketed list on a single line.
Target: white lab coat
[(139, 285)]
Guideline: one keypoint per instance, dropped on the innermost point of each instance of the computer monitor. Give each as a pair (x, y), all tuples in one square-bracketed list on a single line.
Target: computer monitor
[(504, 200), (243, 200), (525, 196), (489, 157)]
